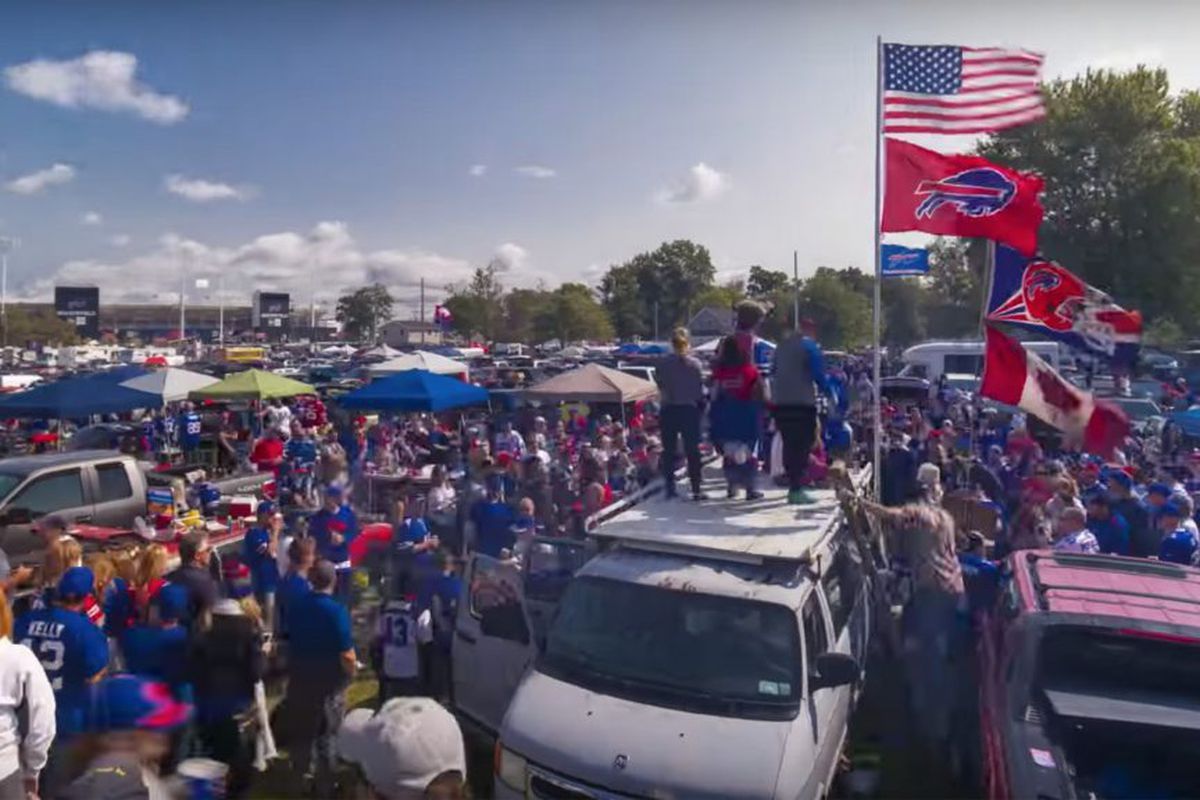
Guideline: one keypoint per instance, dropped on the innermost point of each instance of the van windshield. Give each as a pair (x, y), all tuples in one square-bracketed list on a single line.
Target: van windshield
[(707, 653), (8, 482)]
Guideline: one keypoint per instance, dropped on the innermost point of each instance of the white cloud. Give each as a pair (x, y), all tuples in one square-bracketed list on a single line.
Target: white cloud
[(91, 218), (535, 171), (120, 240), (199, 190), (325, 258), (34, 182), (101, 79), (1116, 60), (477, 170), (511, 256), (701, 183)]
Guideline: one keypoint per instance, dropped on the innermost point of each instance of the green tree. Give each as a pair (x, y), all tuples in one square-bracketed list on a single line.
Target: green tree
[(478, 306), (842, 315), (570, 314), (664, 283), (1121, 159), (1164, 332), (764, 283), (726, 296), (521, 310), (904, 320), (39, 325), (363, 311)]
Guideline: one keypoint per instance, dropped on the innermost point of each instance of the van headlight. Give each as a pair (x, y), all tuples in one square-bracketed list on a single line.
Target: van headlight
[(510, 768)]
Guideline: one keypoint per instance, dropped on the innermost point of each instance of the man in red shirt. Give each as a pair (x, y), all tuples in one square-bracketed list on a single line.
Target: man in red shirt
[(267, 454)]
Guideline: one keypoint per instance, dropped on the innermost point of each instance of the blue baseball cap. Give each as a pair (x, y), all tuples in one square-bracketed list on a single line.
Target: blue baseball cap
[(1170, 509), (266, 508), (130, 702), (334, 490), (1160, 489), (1120, 477), (76, 583), (172, 602)]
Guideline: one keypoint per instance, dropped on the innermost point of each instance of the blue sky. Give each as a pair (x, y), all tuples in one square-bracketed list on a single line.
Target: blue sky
[(339, 137)]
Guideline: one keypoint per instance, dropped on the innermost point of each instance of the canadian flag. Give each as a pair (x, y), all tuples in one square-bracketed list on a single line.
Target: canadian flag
[(1017, 377)]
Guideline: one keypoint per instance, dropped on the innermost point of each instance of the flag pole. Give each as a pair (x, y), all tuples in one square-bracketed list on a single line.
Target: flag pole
[(877, 415)]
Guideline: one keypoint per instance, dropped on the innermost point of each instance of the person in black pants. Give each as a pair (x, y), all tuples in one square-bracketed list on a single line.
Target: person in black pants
[(682, 387)]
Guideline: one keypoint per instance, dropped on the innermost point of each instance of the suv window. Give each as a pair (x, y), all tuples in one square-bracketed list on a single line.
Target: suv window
[(51, 493), (963, 363), (114, 482), (495, 600), (816, 639), (842, 583)]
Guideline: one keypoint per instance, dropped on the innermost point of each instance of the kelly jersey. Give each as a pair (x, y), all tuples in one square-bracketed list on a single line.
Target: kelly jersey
[(72, 651), (401, 629), (166, 429)]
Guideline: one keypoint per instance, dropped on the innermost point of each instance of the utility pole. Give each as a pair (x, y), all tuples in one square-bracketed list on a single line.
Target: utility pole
[(422, 325), (656, 320), (796, 289), (221, 310), (182, 313)]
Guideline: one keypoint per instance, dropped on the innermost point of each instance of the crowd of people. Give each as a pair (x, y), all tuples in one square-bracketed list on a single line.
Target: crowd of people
[(125, 667)]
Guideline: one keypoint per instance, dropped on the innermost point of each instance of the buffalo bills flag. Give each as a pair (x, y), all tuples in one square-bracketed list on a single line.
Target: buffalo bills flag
[(1016, 377)]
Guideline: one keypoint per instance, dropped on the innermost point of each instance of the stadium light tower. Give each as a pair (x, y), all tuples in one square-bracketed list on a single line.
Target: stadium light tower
[(7, 243)]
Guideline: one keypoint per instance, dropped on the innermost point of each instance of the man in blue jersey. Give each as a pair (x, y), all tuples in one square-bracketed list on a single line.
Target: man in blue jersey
[(74, 653), (301, 452), (1178, 544), (294, 585), (259, 551), (321, 664), (334, 526), (189, 433), (493, 520)]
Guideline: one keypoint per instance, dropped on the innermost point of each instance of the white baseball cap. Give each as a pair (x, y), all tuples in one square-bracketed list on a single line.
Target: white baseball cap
[(404, 746)]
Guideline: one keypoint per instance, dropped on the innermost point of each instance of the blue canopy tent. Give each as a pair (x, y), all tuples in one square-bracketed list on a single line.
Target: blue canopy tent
[(77, 398), (414, 390), (1188, 421)]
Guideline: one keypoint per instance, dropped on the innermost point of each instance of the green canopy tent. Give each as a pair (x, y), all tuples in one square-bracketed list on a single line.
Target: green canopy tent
[(253, 384)]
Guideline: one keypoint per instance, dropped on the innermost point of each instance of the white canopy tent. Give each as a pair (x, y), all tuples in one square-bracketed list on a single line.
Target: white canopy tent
[(381, 351), (419, 359), (171, 384)]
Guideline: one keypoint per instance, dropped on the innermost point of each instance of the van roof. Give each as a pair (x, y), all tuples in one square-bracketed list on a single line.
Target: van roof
[(749, 532)]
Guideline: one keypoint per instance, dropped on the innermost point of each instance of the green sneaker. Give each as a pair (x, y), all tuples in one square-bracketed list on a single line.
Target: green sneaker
[(799, 497)]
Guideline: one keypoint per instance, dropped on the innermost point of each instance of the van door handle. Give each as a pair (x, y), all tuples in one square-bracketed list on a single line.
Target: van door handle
[(466, 637), (86, 518)]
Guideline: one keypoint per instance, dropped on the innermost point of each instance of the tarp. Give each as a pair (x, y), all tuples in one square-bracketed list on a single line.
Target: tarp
[(170, 384), (253, 384), (593, 383), (76, 398), (420, 359), (1188, 421), (414, 390)]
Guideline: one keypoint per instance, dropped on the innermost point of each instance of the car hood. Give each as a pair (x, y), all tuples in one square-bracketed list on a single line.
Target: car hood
[(581, 735)]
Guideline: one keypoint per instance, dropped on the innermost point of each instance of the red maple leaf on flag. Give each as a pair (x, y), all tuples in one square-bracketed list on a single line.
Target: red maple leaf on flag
[(1057, 394)]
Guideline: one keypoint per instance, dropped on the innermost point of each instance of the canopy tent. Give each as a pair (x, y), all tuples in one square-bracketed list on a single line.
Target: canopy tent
[(253, 384), (380, 351), (420, 359), (763, 350), (170, 384), (643, 349), (572, 352), (337, 350), (76, 398), (414, 390), (592, 383)]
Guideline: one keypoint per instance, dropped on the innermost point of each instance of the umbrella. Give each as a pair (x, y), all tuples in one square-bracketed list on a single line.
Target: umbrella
[(253, 384), (420, 359), (75, 398), (414, 390), (593, 383), (170, 384)]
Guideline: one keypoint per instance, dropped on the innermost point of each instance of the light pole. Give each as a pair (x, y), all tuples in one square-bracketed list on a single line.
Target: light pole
[(7, 243)]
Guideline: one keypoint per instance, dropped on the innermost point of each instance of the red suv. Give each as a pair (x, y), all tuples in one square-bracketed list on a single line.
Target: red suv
[(1090, 679)]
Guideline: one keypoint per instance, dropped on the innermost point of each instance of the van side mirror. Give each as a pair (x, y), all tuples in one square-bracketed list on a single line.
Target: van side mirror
[(834, 669)]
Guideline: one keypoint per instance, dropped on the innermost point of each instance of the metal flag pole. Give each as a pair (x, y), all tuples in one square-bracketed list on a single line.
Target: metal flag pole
[(877, 415)]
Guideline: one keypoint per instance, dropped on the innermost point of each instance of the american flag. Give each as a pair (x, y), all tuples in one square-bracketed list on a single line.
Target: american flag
[(950, 89)]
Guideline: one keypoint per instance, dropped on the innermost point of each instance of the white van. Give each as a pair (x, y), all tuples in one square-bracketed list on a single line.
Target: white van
[(931, 360), (707, 650)]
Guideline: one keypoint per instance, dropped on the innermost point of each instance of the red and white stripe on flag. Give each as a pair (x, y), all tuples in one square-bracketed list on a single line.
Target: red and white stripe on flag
[(951, 89), (1016, 377)]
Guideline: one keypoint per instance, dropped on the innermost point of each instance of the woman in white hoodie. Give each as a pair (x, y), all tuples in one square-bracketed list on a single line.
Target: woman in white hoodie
[(23, 682)]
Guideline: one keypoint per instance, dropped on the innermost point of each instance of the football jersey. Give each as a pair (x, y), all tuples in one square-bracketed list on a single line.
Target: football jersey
[(401, 630), (189, 433), (72, 650)]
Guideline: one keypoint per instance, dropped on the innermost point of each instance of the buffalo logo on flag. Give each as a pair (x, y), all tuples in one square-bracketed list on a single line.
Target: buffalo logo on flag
[(1046, 298), (973, 192)]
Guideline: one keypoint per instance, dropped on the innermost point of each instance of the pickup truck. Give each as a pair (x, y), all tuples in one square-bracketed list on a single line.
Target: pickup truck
[(95, 487)]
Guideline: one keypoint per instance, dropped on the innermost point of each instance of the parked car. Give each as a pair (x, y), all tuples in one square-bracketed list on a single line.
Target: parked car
[(699, 653), (1090, 679)]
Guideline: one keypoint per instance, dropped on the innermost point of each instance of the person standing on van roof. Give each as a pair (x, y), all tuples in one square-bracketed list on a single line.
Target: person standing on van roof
[(682, 388), (798, 374)]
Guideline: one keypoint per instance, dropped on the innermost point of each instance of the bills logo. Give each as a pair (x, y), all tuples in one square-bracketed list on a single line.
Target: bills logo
[(975, 193), (1053, 296)]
